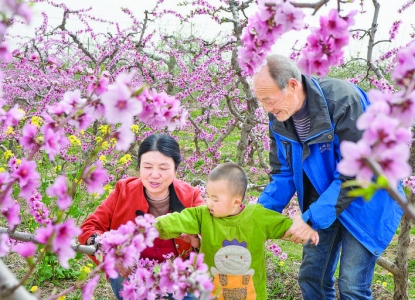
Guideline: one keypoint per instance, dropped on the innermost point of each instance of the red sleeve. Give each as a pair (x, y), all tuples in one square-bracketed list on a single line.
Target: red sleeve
[(100, 221)]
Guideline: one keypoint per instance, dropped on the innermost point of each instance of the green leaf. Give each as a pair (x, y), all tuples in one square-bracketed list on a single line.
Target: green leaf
[(382, 182), (350, 183)]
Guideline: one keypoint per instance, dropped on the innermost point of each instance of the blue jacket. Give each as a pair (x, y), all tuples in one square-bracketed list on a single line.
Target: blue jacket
[(334, 106)]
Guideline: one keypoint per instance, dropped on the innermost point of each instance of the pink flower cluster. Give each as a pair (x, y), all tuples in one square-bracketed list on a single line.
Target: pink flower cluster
[(386, 124), (62, 236), (394, 29), (409, 182), (269, 23), (276, 250), (177, 277), (125, 244), (324, 48), (38, 209), (123, 104)]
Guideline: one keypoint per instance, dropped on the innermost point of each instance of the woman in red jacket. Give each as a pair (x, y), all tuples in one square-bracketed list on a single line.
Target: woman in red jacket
[(156, 191)]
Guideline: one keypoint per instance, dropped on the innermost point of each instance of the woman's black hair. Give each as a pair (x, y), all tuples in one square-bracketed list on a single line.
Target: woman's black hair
[(163, 143)]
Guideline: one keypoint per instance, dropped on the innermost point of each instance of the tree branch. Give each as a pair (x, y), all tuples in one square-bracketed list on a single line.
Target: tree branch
[(27, 237), (377, 170)]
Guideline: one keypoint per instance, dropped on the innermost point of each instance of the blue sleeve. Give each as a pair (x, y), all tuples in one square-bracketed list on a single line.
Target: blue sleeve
[(281, 189)]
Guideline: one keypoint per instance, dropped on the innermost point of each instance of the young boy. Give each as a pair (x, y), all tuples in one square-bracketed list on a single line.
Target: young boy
[(233, 235)]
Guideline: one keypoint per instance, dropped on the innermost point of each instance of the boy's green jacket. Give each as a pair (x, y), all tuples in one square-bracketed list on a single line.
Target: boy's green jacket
[(234, 246)]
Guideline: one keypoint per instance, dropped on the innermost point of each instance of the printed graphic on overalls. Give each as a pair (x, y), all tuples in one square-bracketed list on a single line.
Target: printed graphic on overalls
[(233, 275)]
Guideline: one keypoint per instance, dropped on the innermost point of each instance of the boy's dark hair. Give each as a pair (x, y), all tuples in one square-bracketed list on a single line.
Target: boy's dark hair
[(163, 143), (232, 173)]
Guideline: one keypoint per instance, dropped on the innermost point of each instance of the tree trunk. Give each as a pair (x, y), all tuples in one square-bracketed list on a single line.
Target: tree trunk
[(401, 261)]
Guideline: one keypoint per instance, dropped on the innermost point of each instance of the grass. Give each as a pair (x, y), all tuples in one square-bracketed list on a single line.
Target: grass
[(282, 275)]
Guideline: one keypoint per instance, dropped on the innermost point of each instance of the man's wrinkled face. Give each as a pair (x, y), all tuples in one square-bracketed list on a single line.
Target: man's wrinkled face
[(281, 103)]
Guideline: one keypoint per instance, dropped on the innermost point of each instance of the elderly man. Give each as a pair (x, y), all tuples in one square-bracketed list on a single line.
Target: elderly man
[(308, 120)]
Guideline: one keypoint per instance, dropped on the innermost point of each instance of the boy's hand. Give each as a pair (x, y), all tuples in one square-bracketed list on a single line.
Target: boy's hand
[(301, 232), (193, 239)]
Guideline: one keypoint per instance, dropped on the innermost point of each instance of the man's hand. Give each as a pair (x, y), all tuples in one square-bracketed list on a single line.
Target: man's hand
[(193, 239), (301, 232), (124, 272)]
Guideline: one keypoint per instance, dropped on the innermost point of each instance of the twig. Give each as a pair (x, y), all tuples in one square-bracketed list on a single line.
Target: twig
[(27, 237)]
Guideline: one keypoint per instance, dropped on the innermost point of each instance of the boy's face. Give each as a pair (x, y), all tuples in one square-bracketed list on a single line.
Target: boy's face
[(219, 200)]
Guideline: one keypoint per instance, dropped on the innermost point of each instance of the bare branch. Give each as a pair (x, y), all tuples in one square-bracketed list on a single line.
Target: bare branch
[(27, 237), (7, 282), (389, 266)]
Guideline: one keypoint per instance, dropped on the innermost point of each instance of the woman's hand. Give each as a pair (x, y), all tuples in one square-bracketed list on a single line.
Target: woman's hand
[(124, 272)]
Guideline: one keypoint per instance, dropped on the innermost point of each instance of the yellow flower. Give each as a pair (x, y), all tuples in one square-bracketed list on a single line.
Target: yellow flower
[(10, 130), (384, 284), (281, 263), (8, 154), (135, 128), (74, 140), (113, 141), (377, 281), (103, 158), (390, 274), (82, 132), (125, 159), (104, 129), (18, 161), (107, 187), (90, 265), (98, 139), (2, 170), (58, 168), (33, 288), (85, 269), (61, 297), (37, 121), (105, 145), (94, 194)]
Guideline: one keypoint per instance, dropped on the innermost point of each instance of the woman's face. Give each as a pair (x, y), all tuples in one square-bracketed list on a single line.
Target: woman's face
[(157, 172)]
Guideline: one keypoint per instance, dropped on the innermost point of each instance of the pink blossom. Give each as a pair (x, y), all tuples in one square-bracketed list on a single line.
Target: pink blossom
[(379, 105), (28, 139), (394, 163), (405, 67), (43, 234), (99, 86), (88, 289), (27, 177), (381, 130), (64, 239), (72, 100), (5, 54), (12, 215), (60, 189), (403, 108), (353, 163), (12, 116), (125, 137), (83, 118), (94, 176), (4, 244), (120, 107), (25, 249), (54, 141), (289, 17)]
